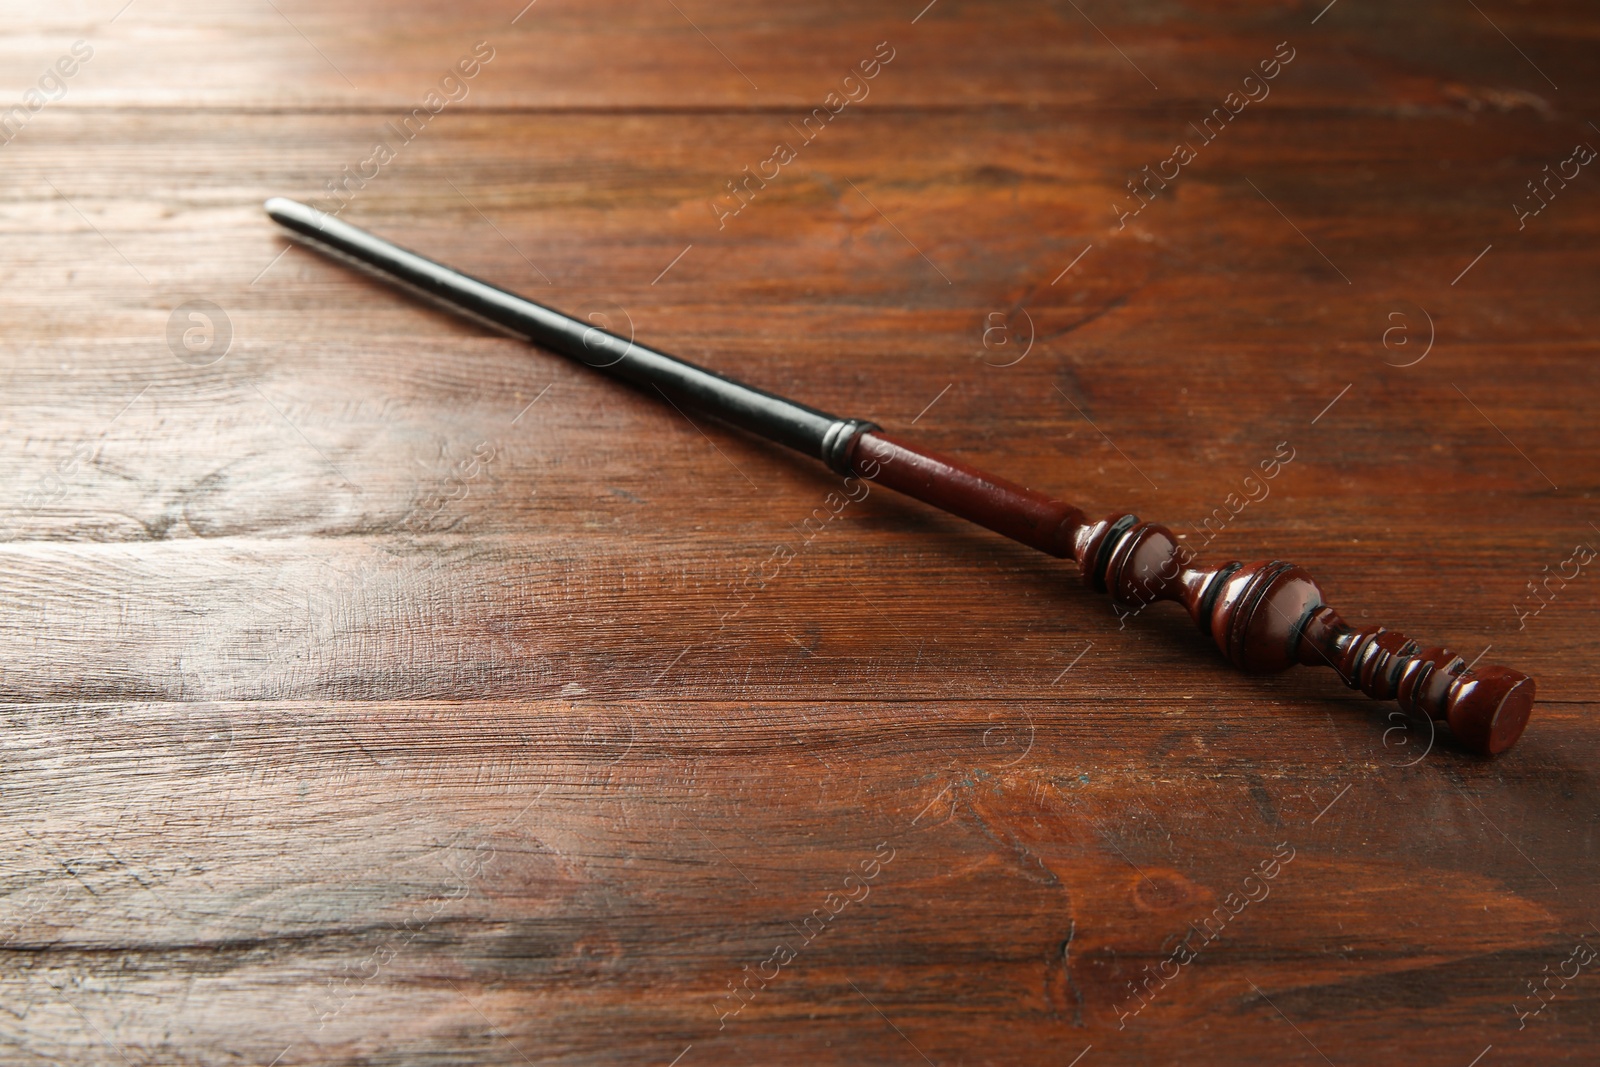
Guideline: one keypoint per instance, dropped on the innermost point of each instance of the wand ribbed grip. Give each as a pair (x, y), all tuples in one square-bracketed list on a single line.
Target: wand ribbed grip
[(1267, 616)]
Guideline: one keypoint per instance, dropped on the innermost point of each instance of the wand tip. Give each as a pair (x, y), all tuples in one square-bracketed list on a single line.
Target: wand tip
[(291, 213), (301, 218)]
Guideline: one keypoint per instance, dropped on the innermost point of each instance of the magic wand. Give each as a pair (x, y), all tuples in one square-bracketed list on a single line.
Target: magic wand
[(1264, 616)]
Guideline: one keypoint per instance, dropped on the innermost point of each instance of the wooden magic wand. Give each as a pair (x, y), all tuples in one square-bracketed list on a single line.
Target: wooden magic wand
[(1264, 616)]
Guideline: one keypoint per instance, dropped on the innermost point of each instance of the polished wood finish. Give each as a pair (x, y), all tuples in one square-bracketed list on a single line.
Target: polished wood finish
[(356, 711), (961, 489), (1264, 616)]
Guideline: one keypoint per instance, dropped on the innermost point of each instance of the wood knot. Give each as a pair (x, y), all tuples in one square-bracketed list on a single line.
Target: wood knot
[(1162, 891)]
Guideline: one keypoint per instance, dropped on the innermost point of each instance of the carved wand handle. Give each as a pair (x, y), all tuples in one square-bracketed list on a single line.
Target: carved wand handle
[(1265, 617)]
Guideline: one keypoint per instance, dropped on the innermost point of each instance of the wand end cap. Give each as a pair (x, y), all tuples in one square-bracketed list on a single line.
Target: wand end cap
[(1489, 712)]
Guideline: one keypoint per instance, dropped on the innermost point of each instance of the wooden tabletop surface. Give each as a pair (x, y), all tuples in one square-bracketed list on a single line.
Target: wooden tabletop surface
[(378, 689)]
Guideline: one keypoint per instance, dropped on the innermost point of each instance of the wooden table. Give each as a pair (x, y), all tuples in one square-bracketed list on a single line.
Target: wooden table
[(378, 689)]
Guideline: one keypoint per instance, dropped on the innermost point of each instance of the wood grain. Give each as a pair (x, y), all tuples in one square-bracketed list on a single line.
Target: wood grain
[(388, 691)]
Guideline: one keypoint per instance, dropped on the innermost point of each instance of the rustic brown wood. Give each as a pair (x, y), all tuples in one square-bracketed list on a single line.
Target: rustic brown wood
[(387, 691)]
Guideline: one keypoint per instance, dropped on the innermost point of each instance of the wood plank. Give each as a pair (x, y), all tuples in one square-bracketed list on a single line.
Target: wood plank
[(388, 691), (630, 55)]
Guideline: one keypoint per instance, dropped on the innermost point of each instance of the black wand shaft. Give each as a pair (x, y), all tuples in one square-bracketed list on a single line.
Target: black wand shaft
[(804, 429)]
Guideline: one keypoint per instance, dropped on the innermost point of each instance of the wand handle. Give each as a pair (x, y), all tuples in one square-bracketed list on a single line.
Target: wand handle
[(1264, 616)]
